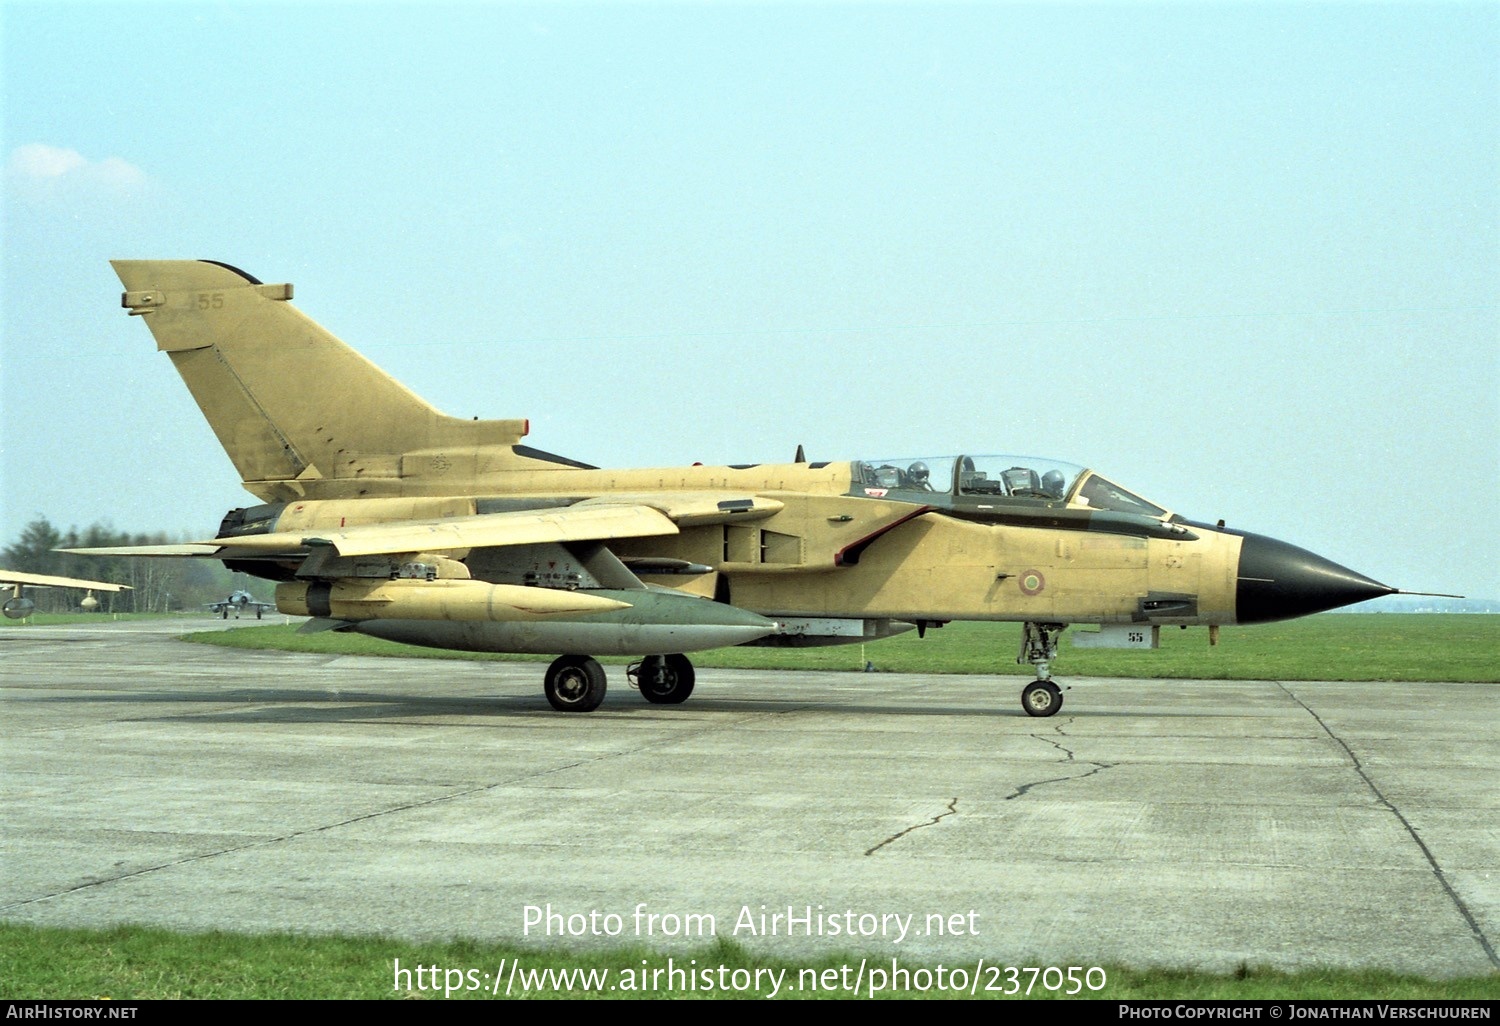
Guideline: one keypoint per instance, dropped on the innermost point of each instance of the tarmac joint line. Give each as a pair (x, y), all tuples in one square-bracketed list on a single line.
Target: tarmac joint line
[(248, 846), (1437, 869)]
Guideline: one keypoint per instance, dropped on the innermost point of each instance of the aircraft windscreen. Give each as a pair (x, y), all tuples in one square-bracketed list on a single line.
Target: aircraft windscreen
[(1102, 494)]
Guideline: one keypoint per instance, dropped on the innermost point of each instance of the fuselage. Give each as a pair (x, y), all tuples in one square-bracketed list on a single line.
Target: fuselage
[(917, 541)]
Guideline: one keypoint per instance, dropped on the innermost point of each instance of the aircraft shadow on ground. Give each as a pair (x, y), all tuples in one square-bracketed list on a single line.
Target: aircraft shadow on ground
[(322, 705)]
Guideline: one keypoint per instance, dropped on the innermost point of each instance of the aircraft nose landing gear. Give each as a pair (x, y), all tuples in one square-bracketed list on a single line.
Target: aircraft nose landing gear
[(1041, 698), (1039, 647)]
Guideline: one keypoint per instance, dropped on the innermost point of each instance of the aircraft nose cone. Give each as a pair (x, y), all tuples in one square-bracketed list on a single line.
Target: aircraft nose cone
[(1278, 581)]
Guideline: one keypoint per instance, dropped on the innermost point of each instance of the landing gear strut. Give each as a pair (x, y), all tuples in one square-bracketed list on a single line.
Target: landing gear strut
[(1039, 647), (663, 680)]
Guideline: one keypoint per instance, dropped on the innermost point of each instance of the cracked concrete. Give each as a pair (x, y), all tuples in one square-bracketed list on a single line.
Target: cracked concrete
[(1480, 937), (1184, 823), (952, 810)]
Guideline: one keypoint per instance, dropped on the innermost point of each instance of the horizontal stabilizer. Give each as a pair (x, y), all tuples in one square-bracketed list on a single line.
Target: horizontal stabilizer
[(45, 581), (189, 550)]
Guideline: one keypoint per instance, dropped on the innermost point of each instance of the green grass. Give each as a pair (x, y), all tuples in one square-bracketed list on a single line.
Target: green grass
[(1362, 647), (134, 963)]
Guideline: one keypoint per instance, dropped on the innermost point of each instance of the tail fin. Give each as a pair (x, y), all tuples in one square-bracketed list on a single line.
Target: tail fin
[(299, 412)]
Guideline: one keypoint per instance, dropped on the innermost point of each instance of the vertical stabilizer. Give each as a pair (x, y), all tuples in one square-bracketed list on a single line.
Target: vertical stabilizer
[(295, 408)]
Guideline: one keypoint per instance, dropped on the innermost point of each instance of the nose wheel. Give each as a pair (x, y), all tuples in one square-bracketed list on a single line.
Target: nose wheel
[(1041, 698)]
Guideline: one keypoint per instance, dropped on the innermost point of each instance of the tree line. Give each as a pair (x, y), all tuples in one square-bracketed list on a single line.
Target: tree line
[(157, 585)]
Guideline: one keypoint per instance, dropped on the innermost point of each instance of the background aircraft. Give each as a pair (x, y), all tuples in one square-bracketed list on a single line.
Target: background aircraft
[(19, 607), (383, 516), (239, 602)]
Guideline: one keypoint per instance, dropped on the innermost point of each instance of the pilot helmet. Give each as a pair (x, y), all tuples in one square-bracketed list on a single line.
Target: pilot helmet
[(918, 473), (1053, 483)]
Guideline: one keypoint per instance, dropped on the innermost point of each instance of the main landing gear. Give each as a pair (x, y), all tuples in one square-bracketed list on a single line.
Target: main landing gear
[(663, 680), (1039, 647), (576, 683)]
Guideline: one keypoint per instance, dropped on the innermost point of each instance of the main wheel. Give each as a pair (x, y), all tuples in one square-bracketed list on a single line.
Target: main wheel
[(1041, 698), (668, 682), (574, 684)]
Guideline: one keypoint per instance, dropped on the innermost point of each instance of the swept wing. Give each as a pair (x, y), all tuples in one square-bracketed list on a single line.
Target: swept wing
[(616, 517)]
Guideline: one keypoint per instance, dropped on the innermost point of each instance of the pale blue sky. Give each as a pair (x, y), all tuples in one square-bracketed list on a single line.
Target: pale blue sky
[(1244, 259)]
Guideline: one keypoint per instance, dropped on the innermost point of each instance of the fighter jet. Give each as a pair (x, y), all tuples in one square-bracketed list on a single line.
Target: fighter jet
[(239, 602), (19, 607), (381, 515)]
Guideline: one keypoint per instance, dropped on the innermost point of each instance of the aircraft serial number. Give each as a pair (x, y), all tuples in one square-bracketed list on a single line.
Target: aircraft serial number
[(1009, 979)]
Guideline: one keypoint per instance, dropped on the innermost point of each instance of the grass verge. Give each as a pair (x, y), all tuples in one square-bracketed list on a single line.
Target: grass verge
[(130, 962)]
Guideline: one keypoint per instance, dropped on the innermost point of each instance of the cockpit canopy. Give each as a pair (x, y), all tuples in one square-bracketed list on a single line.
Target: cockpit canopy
[(998, 480)]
